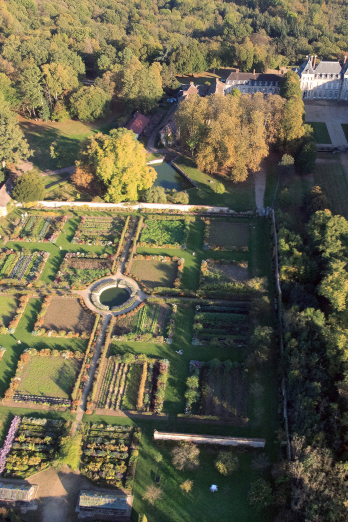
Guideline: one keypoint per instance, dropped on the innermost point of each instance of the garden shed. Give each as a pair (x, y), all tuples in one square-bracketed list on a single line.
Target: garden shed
[(11, 492), (105, 503)]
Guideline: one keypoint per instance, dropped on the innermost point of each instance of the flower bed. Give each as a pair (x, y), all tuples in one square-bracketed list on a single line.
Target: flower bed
[(23, 266), (110, 455), (216, 326), (80, 269), (164, 233), (99, 230), (5, 450), (38, 228), (34, 445), (150, 321)]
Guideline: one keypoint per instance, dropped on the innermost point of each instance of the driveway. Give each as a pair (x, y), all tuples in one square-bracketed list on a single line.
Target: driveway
[(332, 113)]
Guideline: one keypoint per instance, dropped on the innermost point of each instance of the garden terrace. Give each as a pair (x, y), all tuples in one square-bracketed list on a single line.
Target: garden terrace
[(218, 389), (221, 326), (83, 269), (155, 271), (148, 322), (61, 315), (23, 266), (34, 447), (133, 384), (99, 230), (110, 455), (39, 228), (226, 235), (45, 373), (159, 232)]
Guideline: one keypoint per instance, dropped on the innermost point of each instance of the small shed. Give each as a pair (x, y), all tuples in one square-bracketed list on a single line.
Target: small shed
[(11, 492), (137, 123), (100, 502)]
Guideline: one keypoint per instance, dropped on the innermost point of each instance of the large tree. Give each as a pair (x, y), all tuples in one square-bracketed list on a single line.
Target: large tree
[(29, 187), (13, 146), (118, 160), (90, 103), (290, 85)]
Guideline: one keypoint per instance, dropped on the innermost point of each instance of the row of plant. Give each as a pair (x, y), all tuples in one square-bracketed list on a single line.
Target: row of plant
[(133, 250), (110, 455), (96, 230), (10, 329), (217, 326), (165, 233), (82, 377), (113, 384), (209, 245), (40, 331), (34, 446), (35, 228), (217, 388), (100, 366), (26, 356), (83, 273), (120, 245)]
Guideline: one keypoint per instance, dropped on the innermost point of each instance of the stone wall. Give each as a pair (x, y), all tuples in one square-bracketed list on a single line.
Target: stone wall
[(210, 439)]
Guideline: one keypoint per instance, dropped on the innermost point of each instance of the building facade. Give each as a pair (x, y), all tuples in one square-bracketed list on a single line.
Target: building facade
[(249, 83), (327, 80)]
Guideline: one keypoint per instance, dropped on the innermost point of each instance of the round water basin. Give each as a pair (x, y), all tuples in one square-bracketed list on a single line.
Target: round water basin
[(114, 296)]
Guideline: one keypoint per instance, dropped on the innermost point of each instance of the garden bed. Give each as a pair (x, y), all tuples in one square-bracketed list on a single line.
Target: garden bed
[(221, 326), (225, 235), (153, 273), (218, 389), (34, 228), (128, 383), (149, 322), (224, 271), (164, 233), (110, 455), (99, 230), (33, 446), (24, 266), (81, 270), (64, 314)]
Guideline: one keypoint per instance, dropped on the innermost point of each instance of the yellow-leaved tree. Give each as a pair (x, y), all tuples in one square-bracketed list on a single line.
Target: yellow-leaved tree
[(118, 161)]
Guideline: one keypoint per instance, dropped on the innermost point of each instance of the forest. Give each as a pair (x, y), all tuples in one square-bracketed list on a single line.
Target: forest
[(135, 49)]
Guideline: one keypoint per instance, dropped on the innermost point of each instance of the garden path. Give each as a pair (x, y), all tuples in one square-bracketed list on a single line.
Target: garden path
[(82, 406), (260, 186)]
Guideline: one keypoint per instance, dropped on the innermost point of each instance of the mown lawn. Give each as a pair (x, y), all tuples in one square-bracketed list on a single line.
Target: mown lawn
[(321, 134), (238, 196), (8, 305), (155, 273), (49, 377), (331, 177)]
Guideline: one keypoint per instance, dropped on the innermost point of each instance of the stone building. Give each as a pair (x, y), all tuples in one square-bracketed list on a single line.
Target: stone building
[(327, 80), (249, 83)]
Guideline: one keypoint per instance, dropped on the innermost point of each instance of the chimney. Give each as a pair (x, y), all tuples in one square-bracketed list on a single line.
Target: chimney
[(192, 83), (254, 72), (345, 59), (237, 70), (314, 61)]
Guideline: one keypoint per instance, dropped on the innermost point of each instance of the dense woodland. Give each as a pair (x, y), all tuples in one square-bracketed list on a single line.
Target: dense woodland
[(136, 48)]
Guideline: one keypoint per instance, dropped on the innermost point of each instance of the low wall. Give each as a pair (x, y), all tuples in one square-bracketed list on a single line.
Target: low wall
[(176, 167), (156, 161), (210, 439), (136, 206)]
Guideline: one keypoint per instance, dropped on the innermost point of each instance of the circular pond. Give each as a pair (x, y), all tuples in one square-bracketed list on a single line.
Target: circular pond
[(114, 296)]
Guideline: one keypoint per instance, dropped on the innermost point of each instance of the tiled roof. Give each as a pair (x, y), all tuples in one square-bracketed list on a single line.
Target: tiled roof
[(328, 68), (263, 77), (137, 123), (216, 87)]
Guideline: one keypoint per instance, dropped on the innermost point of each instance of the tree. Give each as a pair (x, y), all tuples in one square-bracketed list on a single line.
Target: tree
[(292, 128), (28, 188), (31, 86), (218, 188), (57, 79), (168, 74), (286, 161), (316, 200), (260, 494), (189, 60), (305, 160), (334, 286), (83, 177), (155, 195), (290, 86), (152, 494), (187, 485), (185, 456), (90, 103), (158, 457), (180, 198), (8, 93), (226, 463), (13, 146), (118, 161)]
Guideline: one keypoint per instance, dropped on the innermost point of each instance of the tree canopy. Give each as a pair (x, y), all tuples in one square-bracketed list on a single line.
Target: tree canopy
[(28, 188), (118, 161), (13, 146)]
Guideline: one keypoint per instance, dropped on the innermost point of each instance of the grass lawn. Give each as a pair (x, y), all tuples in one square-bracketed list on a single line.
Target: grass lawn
[(49, 377), (345, 129), (331, 177), (227, 235), (155, 273), (238, 196), (8, 305), (321, 134)]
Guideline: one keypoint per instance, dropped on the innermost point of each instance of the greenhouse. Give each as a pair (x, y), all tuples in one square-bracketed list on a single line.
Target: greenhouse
[(17, 492), (113, 503)]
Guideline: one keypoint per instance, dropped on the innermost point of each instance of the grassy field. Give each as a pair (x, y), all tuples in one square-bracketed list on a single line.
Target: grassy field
[(331, 177), (155, 273), (321, 134), (49, 377), (238, 196), (227, 235), (8, 305)]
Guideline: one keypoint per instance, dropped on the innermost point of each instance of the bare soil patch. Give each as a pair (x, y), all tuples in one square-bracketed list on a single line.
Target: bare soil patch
[(155, 273), (89, 264), (67, 314), (236, 272)]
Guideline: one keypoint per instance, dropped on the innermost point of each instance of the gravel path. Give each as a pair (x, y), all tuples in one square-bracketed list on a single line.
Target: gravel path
[(333, 114), (260, 186)]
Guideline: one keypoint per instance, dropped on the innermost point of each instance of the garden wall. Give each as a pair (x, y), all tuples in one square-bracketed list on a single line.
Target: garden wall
[(210, 439)]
